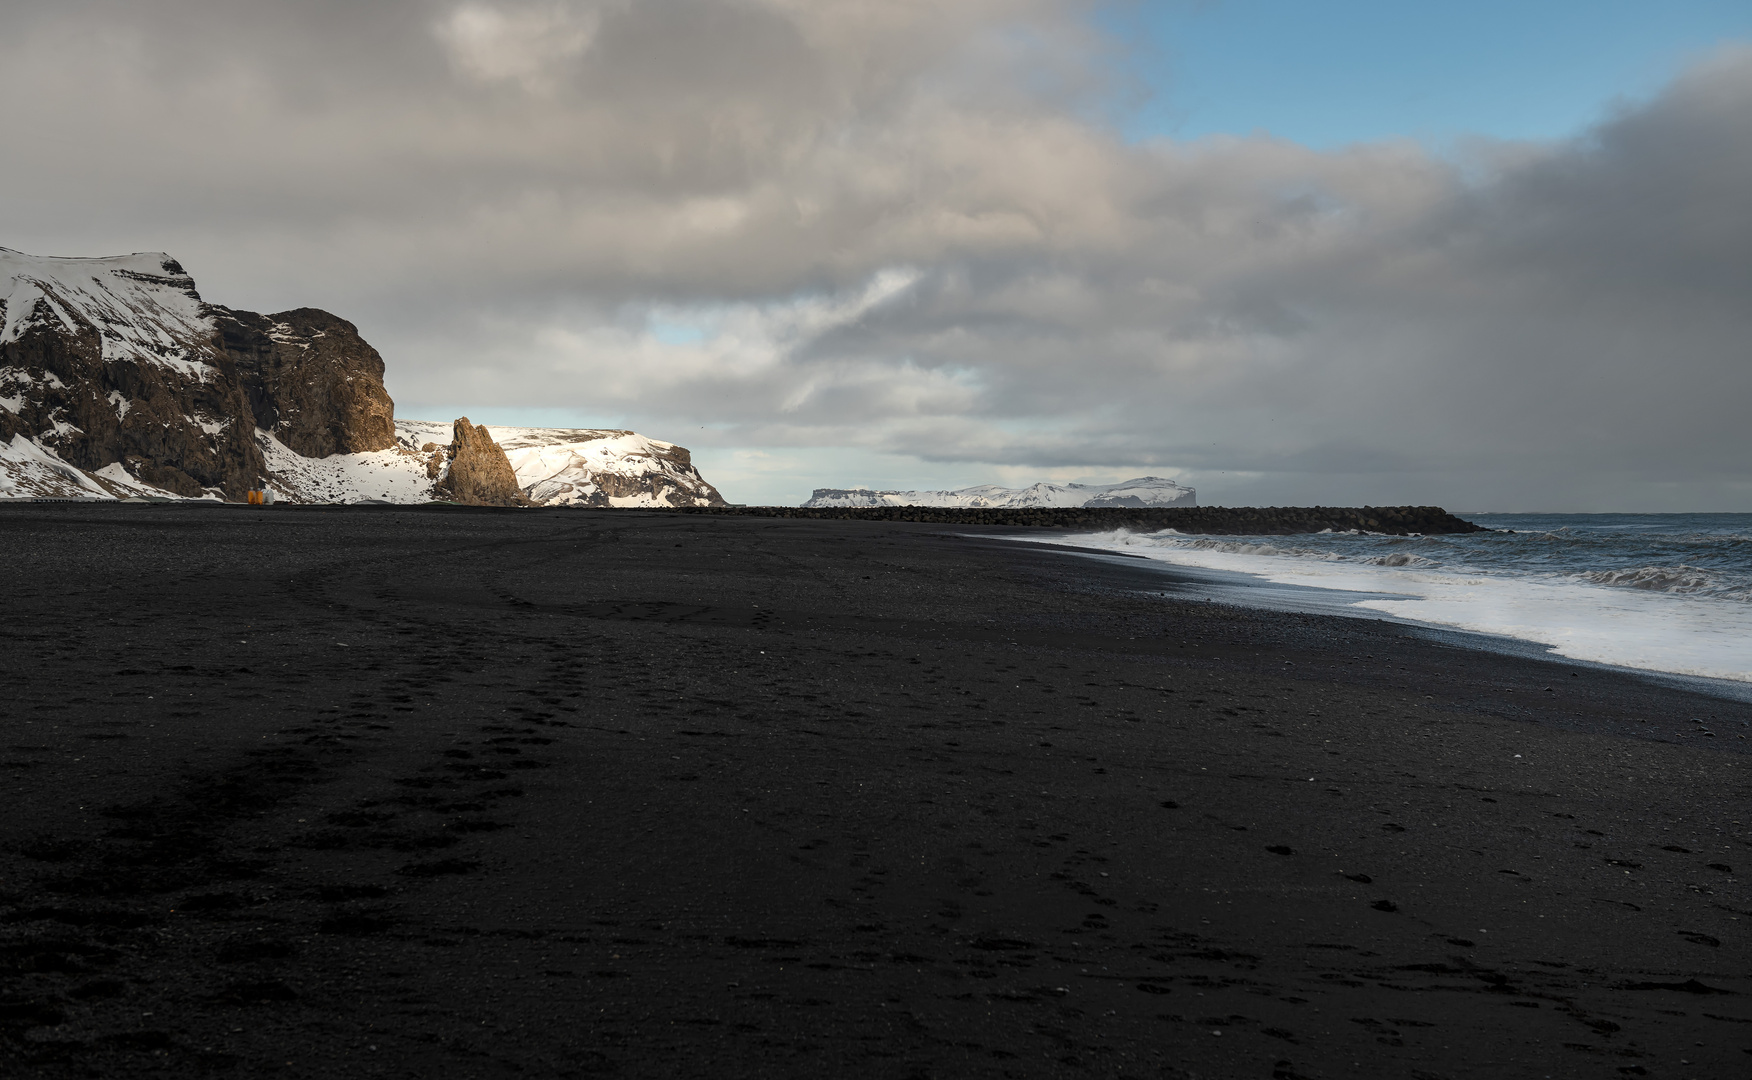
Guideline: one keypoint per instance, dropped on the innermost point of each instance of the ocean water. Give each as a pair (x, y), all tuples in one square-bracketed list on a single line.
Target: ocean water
[(1660, 592)]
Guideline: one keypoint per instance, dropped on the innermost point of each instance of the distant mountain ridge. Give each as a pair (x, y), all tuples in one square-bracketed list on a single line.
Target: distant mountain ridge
[(1143, 491), (117, 379)]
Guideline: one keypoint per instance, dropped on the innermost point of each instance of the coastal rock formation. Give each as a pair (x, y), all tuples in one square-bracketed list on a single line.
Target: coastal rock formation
[(552, 467), (117, 367), (117, 379), (112, 366), (590, 467), (1143, 491), (476, 471), (312, 381)]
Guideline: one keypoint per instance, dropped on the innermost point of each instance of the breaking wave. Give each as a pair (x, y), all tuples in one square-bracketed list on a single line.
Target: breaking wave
[(1663, 592), (1682, 579)]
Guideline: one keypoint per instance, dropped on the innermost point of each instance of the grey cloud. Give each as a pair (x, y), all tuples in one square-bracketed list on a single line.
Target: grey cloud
[(903, 227)]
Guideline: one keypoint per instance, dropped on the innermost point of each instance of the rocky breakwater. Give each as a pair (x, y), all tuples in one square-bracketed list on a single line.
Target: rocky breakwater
[(1203, 520), (474, 469), (116, 378)]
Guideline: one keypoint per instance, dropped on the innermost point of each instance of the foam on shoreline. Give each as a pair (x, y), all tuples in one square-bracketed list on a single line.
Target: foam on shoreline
[(1575, 611)]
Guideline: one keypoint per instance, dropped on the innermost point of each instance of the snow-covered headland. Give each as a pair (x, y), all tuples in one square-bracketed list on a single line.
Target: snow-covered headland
[(118, 380), (1143, 491)]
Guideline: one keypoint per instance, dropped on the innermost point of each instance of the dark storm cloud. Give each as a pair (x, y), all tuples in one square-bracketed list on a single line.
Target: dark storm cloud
[(902, 227)]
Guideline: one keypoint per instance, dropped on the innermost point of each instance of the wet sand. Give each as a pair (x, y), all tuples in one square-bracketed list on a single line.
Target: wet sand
[(436, 792)]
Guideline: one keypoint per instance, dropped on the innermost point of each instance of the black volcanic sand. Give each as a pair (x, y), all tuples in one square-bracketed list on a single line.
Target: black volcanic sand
[(440, 792)]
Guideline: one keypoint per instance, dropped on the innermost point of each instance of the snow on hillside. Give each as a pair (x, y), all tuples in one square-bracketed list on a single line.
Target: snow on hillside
[(29, 470), (143, 307), (131, 330), (395, 475), (585, 466), (554, 466), (571, 467), (1143, 491)]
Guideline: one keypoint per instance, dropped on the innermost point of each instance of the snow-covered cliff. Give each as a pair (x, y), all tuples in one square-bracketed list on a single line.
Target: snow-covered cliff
[(117, 379), (1143, 491), (117, 367), (584, 466)]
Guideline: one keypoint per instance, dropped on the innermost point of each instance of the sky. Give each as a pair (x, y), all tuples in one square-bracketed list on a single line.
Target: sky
[(1326, 74), (1487, 256)]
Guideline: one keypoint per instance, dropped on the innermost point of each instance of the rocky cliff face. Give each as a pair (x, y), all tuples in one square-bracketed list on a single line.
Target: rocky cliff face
[(118, 379), (119, 368), (114, 362), (477, 471), (311, 380), (552, 467)]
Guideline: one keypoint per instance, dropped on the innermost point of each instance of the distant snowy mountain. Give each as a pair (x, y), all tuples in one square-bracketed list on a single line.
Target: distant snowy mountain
[(1144, 491), (117, 379)]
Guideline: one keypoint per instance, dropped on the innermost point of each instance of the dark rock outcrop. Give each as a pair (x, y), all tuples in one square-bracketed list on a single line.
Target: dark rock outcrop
[(121, 380), (479, 473), (119, 361), (311, 380), (175, 417)]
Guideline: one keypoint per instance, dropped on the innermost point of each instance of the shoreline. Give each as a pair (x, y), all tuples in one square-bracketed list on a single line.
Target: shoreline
[(1253, 590), (407, 792)]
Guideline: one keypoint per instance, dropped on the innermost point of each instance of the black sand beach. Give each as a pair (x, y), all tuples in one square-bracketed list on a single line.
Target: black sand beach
[(438, 792)]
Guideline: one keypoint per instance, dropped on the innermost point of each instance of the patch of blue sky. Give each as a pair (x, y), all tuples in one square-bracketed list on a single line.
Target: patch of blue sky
[(677, 331), (1336, 72)]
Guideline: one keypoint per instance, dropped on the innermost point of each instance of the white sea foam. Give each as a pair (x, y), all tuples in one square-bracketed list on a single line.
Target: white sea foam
[(1676, 619)]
